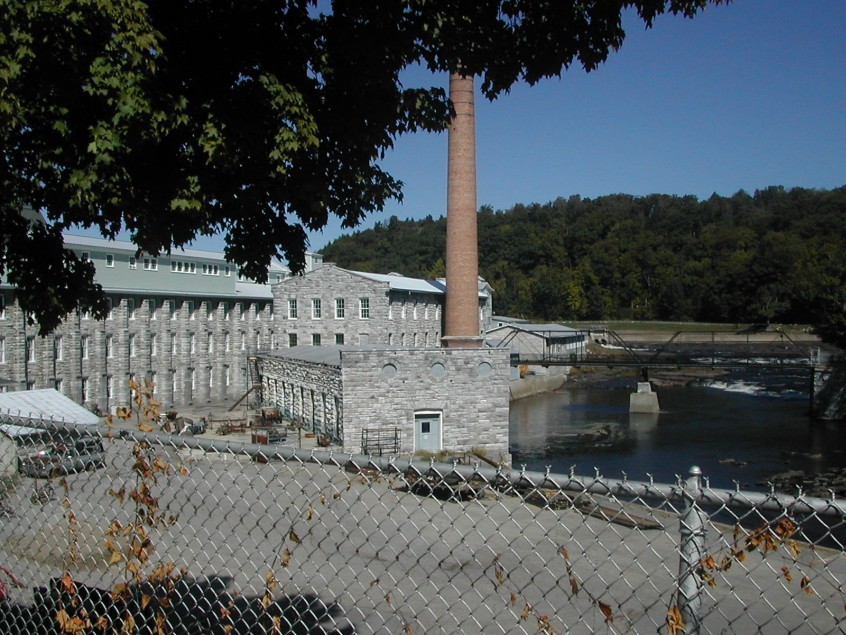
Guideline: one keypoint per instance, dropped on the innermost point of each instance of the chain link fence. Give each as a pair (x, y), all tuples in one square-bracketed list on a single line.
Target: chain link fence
[(119, 531)]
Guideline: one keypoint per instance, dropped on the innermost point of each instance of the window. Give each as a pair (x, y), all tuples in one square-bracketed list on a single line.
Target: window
[(339, 338), (211, 343), (315, 309), (243, 341), (182, 266), (270, 312), (192, 340), (258, 310), (193, 379), (154, 345), (85, 256), (292, 339), (130, 308), (292, 308), (111, 313), (242, 314), (60, 385), (227, 271), (364, 308), (189, 307), (84, 389), (83, 344), (154, 382), (227, 378), (174, 344), (2, 307), (110, 347), (209, 311), (133, 264), (272, 341), (110, 260), (211, 378), (226, 342), (151, 264), (315, 339), (110, 385), (133, 341), (210, 270), (152, 309), (402, 315), (173, 310), (339, 309), (2, 350), (224, 307)]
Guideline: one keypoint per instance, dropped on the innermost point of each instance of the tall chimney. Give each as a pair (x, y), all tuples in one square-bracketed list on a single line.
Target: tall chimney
[(461, 317)]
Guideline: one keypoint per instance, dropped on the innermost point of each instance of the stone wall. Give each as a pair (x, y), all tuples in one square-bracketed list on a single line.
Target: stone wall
[(305, 392), (194, 356), (468, 387), (327, 284)]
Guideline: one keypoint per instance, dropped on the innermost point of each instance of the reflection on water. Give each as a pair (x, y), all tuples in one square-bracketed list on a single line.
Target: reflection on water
[(733, 435)]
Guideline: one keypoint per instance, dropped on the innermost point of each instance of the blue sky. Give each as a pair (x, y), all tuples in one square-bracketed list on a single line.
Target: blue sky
[(741, 97)]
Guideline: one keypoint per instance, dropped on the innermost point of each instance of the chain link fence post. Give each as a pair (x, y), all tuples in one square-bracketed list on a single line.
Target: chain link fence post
[(691, 552)]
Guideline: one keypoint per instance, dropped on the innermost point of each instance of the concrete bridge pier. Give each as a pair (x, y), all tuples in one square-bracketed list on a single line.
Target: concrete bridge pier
[(644, 400)]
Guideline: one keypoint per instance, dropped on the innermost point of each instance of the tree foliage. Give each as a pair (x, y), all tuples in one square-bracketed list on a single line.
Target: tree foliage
[(775, 256), (256, 119)]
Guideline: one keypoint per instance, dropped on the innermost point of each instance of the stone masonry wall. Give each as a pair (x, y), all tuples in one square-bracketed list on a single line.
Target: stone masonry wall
[(468, 387), (327, 284), (194, 356), (305, 392)]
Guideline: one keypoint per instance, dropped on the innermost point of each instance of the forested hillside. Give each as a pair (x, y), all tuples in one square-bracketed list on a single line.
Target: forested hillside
[(775, 256)]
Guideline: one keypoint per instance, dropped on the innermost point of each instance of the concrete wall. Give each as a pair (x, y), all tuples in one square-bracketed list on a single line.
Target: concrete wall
[(468, 387)]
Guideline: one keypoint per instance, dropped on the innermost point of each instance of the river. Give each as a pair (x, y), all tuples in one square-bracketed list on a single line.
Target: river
[(745, 427)]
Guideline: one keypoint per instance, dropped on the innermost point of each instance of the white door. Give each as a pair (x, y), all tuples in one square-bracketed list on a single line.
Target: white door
[(427, 431)]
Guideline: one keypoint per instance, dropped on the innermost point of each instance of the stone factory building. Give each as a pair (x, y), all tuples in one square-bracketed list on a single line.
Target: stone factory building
[(364, 367), (334, 306), (185, 321), (380, 399)]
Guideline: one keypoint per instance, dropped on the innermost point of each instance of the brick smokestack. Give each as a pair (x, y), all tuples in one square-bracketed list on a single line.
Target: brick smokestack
[(461, 317)]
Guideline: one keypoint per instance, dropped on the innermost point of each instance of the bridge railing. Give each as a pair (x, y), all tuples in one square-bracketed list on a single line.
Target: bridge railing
[(681, 348), (197, 535)]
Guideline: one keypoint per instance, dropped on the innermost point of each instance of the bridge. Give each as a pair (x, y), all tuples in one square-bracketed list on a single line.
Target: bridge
[(708, 348)]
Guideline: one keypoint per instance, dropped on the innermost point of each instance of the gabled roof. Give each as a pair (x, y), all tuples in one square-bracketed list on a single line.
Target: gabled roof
[(396, 282), (402, 283), (45, 404)]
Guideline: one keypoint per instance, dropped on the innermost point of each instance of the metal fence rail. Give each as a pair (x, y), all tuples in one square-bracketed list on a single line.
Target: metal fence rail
[(190, 535)]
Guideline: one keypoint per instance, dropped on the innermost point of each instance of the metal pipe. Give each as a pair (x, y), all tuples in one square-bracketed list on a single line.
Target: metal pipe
[(691, 552)]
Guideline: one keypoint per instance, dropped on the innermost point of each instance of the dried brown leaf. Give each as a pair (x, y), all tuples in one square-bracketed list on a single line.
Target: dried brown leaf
[(606, 611), (675, 622)]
